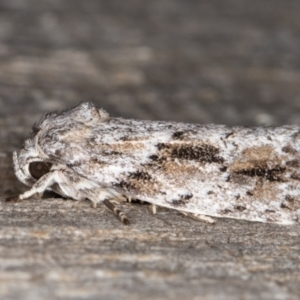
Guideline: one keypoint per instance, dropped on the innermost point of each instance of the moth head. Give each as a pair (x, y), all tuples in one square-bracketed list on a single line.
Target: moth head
[(30, 164)]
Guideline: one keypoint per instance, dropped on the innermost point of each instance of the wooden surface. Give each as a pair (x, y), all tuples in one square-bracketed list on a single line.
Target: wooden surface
[(231, 62)]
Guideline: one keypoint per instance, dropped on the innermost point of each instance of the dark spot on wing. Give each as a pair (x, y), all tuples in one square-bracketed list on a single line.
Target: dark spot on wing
[(289, 198), (58, 152), (178, 202), (125, 138), (157, 159), (223, 169), (285, 206), (187, 196), (229, 134), (240, 208), (288, 202), (140, 175), (128, 186), (154, 157), (111, 153), (182, 201), (289, 149), (235, 145), (161, 146), (179, 135), (74, 164), (271, 174), (91, 141), (295, 163), (295, 176), (97, 161), (204, 153), (249, 193)]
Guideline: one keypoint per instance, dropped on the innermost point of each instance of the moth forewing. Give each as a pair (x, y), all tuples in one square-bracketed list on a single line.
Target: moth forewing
[(210, 170)]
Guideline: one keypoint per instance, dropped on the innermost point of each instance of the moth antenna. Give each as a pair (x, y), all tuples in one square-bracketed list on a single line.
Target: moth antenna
[(118, 213)]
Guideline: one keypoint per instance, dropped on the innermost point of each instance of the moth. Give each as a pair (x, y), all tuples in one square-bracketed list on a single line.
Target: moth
[(201, 170)]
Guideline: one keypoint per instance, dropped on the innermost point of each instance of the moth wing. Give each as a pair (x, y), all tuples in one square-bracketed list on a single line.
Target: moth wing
[(142, 160)]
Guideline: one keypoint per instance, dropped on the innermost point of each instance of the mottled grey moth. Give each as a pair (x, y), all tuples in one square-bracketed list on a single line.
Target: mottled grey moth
[(204, 170)]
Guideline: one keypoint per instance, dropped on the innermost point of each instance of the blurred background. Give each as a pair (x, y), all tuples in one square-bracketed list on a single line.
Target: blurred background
[(235, 62), (231, 62)]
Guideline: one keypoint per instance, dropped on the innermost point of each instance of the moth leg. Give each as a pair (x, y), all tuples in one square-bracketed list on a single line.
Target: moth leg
[(154, 208), (198, 217), (118, 213), (17, 198), (38, 188)]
